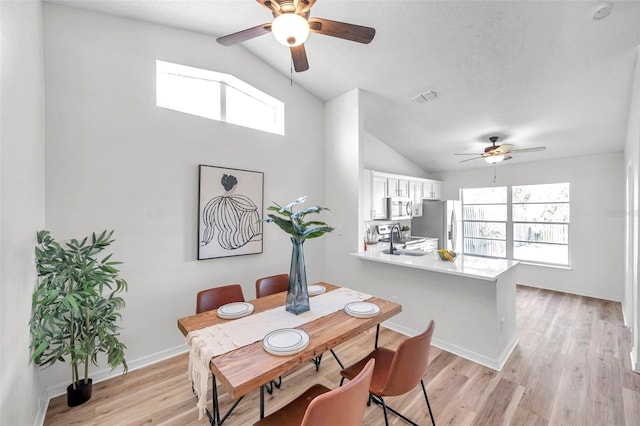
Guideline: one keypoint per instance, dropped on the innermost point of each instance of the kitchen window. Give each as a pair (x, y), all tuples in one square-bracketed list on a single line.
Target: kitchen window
[(217, 96), (541, 223), (529, 223), (484, 221)]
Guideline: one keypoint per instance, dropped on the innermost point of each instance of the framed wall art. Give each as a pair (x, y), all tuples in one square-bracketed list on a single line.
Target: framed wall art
[(229, 212)]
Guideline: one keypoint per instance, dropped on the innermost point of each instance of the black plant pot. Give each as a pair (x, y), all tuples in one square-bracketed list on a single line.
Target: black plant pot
[(79, 395)]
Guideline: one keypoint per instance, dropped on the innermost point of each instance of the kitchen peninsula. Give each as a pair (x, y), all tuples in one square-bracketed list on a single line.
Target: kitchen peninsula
[(472, 300)]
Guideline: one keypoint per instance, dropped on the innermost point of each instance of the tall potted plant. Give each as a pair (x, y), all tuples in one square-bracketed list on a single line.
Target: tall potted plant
[(75, 308), (293, 223)]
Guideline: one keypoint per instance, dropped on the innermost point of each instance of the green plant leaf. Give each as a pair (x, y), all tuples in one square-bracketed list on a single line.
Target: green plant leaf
[(74, 303), (293, 223)]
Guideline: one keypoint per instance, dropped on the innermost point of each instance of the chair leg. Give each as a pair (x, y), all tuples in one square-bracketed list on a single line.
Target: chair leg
[(341, 381), (316, 361), (269, 387), (424, 390), (377, 399), (384, 410), (278, 383)]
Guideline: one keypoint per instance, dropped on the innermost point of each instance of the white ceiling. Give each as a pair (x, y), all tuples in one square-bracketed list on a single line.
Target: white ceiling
[(536, 73)]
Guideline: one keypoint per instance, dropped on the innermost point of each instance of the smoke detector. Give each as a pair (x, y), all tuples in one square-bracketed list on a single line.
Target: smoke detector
[(424, 97)]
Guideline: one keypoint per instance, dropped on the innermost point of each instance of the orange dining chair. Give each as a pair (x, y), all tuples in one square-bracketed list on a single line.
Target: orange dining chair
[(397, 372), (215, 297), (320, 406), (271, 285)]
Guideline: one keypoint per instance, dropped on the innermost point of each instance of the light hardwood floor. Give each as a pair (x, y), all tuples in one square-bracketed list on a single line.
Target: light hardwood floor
[(571, 367)]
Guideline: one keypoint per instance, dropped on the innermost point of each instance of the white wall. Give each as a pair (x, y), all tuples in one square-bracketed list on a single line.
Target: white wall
[(381, 157), (116, 161), (631, 302), (343, 126), (21, 201), (597, 219)]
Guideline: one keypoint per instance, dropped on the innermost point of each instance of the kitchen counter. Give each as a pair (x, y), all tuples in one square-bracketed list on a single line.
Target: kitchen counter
[(466, 266), (472, 300)]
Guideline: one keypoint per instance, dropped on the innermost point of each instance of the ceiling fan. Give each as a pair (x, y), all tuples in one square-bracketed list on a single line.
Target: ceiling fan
[(496, 153), (291, 27)]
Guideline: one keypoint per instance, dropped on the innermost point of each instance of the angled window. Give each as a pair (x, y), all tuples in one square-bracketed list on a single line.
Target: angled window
[(217, 96)]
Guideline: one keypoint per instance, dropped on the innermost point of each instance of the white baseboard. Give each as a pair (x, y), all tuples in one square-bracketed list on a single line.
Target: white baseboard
[(102, 375), (401, 329), (493, 363), (576, 291), (634, 365)]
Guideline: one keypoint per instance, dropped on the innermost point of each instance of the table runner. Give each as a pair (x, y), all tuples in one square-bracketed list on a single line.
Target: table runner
[(218, 339)]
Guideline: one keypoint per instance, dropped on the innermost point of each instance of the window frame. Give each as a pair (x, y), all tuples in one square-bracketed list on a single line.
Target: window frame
[(223, 82), (505, 222), (567, 224), (510, 223)]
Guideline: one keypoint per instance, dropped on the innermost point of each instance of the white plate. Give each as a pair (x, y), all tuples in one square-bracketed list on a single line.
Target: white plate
[(286, 341), (235, 310), (362, 309), (316, 289)]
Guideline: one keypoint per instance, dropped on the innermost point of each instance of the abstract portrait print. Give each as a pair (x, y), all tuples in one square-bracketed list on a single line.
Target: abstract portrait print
[(230, 211)]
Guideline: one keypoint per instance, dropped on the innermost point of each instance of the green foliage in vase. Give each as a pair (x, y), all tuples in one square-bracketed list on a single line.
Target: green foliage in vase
[(75, 304), (293, 223)]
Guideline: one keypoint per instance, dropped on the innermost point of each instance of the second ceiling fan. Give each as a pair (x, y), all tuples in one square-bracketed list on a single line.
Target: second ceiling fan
[(292, 25), (496, 153)]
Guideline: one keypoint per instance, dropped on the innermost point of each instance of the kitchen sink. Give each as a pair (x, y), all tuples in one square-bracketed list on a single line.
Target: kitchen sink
[(400, 252)]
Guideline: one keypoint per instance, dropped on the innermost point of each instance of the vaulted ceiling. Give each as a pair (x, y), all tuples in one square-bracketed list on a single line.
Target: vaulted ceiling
[(535, 73)]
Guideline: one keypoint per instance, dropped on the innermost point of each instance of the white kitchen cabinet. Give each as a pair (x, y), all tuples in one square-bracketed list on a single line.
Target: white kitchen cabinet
[(432, 190), (378, 197), (417, 193), (398, 187), (375, 193)]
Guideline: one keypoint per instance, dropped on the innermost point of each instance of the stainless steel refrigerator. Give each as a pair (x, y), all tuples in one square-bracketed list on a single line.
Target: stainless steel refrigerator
[(442, 220)]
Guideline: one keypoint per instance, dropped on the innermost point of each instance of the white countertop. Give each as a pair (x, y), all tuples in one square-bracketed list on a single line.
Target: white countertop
[(467, 266)]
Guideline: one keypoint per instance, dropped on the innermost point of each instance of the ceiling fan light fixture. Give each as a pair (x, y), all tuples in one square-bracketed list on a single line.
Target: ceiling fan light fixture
[(494, 159), (290, 29)]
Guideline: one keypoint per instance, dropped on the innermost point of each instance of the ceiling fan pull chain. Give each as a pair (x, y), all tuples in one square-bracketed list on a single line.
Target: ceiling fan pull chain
[(494, 173), (291, 72)]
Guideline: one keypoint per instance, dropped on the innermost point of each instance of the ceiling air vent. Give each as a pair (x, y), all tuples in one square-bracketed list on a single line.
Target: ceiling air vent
[(424, 97)]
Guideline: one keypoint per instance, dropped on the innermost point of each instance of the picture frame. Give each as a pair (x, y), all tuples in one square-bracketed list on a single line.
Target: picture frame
[(230, 209)]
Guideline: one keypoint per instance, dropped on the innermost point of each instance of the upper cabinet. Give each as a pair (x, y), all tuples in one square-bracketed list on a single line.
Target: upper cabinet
[(432, 189), (397, 187), (379, 185), (417, 191), (375, 195)]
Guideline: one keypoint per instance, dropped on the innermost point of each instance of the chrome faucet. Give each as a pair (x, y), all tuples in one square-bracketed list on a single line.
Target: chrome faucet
[(391, 247)]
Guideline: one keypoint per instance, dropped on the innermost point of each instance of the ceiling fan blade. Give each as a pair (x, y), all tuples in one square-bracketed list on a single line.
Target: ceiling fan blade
[(304, 6), (299, 56), (342, 30), (537, 148), (271, 5), (244, 35), (468, 154), (503, 149), (507, 157), (469, 159)]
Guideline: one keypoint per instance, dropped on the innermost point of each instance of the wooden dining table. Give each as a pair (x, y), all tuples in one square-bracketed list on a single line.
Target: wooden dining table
[(251, 367)]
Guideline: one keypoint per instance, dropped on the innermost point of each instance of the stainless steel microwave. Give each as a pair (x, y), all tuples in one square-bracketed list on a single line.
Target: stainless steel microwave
[(399, 208)]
